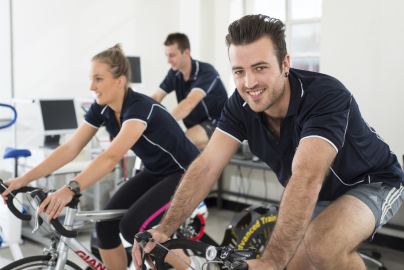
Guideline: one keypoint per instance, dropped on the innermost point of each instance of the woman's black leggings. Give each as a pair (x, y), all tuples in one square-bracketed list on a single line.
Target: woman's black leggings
[(146, 196)]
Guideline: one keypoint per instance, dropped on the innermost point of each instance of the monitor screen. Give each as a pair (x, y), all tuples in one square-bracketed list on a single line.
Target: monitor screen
[(136, 75), (58, 115)]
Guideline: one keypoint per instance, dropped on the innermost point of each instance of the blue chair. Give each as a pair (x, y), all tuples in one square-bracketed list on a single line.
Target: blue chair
[(16, 153)]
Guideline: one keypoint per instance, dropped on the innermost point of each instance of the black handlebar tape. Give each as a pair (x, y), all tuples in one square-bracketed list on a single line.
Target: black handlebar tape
[(159, 253), (2, 188), (10, 201), (241, 266), (196, 247), (186, 244), (62, 230)]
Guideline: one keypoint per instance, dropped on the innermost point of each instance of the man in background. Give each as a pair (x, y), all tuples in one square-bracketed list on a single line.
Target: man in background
[(200, 93)]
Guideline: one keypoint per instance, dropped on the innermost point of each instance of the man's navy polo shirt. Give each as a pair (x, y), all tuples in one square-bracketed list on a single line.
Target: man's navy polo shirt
[(320, 106), (163, 147), (204, 76)]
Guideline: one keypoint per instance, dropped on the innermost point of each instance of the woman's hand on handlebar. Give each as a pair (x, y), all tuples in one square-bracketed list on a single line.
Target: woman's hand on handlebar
[(55, 202), (13, 184), (136, 249)]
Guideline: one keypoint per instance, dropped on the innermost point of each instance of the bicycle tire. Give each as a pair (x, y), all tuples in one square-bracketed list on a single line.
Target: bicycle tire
[(251, 228), (37, 263)]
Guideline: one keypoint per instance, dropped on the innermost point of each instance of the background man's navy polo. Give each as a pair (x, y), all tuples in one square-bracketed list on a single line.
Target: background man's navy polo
[(205, 77)]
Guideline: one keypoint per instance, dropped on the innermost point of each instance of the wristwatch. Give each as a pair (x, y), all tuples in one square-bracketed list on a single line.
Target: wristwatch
[(74, 186)]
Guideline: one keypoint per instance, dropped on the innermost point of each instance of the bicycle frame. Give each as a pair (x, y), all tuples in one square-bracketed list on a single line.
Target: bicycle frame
[(81, 251), (65, 243)]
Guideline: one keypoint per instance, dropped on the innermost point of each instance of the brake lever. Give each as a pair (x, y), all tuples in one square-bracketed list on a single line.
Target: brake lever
[(143, 238), (38, 220), (35, 201)]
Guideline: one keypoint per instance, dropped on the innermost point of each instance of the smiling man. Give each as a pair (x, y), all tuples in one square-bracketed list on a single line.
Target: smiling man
[(200, 92), (341, 180)]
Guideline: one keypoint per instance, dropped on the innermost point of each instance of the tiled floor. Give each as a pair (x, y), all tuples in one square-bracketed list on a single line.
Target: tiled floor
[(217, 220)]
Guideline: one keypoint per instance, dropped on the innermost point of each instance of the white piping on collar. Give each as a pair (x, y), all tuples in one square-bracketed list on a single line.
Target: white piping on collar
[(301, 87), (103, 109), (197, 69)]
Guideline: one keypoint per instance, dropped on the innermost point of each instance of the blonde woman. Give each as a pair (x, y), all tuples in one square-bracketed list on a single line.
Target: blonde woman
[(135, 122)]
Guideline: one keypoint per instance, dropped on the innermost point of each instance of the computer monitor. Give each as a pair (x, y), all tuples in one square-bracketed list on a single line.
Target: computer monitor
[(135, 66), (58, 117)]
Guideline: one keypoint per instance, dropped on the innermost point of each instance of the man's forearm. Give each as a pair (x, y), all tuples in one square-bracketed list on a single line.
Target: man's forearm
[(181, 111), (192, 189), (297, 205), (158, 95)]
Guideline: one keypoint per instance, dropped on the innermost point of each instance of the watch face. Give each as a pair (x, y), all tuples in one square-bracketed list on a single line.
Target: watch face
[(74, 186)]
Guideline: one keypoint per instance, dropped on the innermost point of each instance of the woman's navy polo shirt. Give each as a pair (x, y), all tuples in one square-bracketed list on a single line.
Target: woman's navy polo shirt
[(320, 106), (163, 147), (204, 76)]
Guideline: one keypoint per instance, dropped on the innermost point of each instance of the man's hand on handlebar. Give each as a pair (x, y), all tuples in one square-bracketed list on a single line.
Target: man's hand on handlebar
[(260, 264), (55, 202), (157, 236)]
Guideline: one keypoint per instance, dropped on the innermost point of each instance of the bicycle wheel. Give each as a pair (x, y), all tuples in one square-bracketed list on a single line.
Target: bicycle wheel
[(251, 228), (37, 263)]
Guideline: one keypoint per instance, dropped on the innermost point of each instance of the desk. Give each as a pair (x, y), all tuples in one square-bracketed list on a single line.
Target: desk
[(76, 165), (69, 170), (73, 167), (247, 163)]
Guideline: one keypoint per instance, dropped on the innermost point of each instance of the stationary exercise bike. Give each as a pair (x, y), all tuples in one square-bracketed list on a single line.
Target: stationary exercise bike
[(250, 228)]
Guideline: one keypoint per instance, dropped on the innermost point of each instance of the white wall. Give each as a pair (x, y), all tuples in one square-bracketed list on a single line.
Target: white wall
[(55, 40), (362, 45), (5, 56), (6, 135), (53, 49)]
